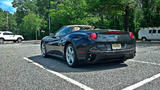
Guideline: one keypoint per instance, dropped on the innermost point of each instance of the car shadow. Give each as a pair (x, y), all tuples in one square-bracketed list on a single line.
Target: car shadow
[(32, 42), (59, 65), (8, 42)]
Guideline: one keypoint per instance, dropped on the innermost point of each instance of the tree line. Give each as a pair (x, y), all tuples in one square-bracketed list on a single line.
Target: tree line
[(34, 16)]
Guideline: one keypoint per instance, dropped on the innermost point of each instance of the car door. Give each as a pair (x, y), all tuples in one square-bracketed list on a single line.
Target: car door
[(52, 45), (8, 36), (55, 44), (158, 35), (152, 34), (12, 36)]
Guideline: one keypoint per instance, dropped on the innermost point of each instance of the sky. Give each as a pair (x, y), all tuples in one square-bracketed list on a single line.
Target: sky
[(6, 5)]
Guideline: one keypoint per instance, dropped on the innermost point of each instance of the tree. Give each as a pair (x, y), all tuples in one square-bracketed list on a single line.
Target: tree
[(70, 12), (12, 24), (24, 7), (7, 21), (2, 20), (127, 15), (30, 25)]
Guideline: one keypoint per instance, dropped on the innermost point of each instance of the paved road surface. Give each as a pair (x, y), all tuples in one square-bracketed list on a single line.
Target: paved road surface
[(16, 73)]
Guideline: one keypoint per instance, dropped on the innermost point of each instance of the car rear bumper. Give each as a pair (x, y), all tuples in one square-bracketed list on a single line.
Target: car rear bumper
[(97, 55)]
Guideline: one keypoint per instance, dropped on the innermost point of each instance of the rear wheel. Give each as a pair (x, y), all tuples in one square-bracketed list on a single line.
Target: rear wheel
[(19, 40), (122, 60), (43, 50), (70, 56), (144, 39), (1, 40), (14, 41)]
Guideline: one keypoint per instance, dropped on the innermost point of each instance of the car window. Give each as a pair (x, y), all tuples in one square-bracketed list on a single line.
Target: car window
[(150, 31), (158, 31), (63, 31), (60, 31), (154, 31), (67, 31), (7, 33)]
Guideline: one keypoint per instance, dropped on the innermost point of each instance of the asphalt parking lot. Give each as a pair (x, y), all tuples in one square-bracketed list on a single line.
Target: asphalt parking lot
[(23, 68)]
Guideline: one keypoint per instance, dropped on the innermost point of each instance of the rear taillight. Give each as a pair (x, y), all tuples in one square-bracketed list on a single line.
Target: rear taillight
[(93, 36), (131, 35)]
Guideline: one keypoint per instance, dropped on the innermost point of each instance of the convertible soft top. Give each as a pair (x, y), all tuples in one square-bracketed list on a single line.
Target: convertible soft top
[(85, 26)]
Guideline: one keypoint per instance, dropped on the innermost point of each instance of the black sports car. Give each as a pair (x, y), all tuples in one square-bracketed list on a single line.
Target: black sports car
[(83, 43)]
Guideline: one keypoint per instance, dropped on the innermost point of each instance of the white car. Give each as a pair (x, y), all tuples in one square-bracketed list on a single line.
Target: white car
[(149, 34), (9, 36)]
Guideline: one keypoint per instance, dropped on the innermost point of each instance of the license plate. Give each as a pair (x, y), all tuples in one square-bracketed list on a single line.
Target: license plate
[(116, 46)]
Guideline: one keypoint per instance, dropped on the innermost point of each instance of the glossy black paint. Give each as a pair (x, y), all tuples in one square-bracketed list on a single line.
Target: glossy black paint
[(83, 44)]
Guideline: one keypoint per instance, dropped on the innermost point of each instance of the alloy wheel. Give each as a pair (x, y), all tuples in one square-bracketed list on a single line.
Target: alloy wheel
[(70, 55), (19, 40), (143, 39), (1, 41), (43, 49)]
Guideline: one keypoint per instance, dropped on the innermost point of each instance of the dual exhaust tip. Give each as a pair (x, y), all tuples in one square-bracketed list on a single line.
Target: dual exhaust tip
[(91, 57)]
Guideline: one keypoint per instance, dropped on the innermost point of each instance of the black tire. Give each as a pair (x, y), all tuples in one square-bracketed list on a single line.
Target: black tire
[(1, 41), (19, 40), (43, 50), (74, 62), (144, 39), (121, 61)]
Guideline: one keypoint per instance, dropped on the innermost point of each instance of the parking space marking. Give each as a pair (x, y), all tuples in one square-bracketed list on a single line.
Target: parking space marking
[(60, 75), (144, 62), (141, 83)]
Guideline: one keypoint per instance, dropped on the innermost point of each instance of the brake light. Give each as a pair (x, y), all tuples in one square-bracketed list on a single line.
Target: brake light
[(131, 35), (93, 36)]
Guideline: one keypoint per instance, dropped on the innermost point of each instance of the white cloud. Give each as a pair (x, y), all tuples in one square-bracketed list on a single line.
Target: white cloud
[(6, 5)]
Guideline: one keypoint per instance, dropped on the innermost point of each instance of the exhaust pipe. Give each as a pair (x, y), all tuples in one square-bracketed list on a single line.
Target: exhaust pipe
[(91, 57)]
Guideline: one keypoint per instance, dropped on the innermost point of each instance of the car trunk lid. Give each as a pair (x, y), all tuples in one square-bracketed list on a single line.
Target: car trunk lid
[(112, 36)]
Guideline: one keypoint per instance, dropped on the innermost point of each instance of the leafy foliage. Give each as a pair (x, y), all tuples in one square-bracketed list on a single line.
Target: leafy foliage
[(2, 20), (71, 12), (129, 15), (11, 25), (31, 24)]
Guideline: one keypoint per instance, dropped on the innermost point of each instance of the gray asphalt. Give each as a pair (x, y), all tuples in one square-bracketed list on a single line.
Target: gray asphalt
[(18, 74)]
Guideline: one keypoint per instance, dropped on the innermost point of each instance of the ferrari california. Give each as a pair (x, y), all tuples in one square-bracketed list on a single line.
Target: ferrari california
[(83, 43)]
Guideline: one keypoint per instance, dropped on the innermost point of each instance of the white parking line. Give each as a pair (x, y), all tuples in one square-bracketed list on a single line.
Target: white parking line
[(144, 62), (141, 83), (61, 76)]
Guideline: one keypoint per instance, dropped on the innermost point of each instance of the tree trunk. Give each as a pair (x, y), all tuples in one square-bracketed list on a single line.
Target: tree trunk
[(126, 18), (36, 34), (102, 19)]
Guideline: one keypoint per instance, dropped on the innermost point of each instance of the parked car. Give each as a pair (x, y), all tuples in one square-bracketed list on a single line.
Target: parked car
[(149, 34), (83, 43), (9, 36)]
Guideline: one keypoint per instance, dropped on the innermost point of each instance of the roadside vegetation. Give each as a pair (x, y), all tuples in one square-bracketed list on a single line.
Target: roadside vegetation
[(41, 17)]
